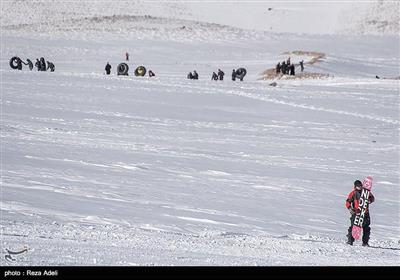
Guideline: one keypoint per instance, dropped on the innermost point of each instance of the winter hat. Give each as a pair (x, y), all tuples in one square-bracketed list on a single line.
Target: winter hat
[(357, 183)]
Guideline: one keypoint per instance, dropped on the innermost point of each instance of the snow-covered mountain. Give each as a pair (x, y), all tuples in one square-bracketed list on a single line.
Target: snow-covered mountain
[(308, 17), (126, 170)]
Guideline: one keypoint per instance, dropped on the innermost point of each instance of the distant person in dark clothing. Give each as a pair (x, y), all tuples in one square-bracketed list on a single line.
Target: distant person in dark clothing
[(190, 75), (221, 75), (108, 68), (43, 64), (151, 73), (195, 75), (278, 68), (50, 66), (302, 65), (37, 64), (292, 69), (283, 67), (214, 76), (127, 56), (30, 64), (233, 74)]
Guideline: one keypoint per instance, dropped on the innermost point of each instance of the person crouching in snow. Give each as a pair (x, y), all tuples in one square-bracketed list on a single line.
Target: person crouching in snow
[(352, 203)]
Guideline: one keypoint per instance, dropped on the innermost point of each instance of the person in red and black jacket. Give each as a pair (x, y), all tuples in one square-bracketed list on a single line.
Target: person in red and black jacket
[(352, 203)]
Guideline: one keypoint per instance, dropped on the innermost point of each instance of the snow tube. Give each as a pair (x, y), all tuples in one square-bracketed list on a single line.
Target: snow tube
[(123, 69), (240, 73), (140, 71), (15, 63)]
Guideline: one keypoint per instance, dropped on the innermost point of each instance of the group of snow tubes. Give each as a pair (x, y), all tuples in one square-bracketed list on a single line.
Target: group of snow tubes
[(123, 69)]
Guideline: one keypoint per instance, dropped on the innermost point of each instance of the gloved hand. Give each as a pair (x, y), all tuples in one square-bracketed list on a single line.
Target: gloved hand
[(351, 210)]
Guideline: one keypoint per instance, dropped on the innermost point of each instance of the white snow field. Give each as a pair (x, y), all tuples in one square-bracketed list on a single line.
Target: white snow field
[(123, 170)]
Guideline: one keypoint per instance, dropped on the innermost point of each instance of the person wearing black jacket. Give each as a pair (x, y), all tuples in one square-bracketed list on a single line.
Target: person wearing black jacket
[(233, 74), (42, 64), (292, 69), (221, 75), (108, 68)]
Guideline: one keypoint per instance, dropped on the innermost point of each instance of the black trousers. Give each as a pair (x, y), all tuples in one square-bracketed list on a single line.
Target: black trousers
[(365, 226)]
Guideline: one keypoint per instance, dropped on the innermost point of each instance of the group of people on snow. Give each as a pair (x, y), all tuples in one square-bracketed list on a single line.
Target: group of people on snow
[(41, 64), (193, 76), (219, 76), (288, 68)]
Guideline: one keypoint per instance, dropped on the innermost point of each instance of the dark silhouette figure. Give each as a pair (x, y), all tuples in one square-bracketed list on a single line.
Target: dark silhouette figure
[(38, 65), (108, 68), (30, 64), (50, 65), (127, 56), (151, 73), (221, 75), (292, 69), (214, 76), (278, 68), (302, 66), (283, 67), (195, 75), (190, 75), (42, 64), (233, 75)]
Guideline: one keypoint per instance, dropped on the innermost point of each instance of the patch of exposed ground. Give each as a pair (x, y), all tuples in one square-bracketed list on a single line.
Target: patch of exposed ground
[(270, 74)]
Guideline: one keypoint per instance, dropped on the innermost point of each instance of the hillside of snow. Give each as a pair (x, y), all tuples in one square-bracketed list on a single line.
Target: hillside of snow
[(126, 170), (300, 17)]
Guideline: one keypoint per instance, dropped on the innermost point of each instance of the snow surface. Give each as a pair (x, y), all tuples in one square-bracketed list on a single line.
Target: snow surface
[(113, 170)]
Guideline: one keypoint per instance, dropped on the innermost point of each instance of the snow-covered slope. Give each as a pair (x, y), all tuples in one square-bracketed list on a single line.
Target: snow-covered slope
[(308, 17), (113, 170)]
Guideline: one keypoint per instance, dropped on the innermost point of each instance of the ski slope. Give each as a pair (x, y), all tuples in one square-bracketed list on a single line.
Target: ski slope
[(115, 170)]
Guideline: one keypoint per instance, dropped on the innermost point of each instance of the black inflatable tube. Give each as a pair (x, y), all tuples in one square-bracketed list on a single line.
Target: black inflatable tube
[(15, 62), (123, 69), (240, 73)]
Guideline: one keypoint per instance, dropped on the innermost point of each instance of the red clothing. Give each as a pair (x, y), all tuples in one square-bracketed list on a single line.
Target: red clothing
[(353, 199)]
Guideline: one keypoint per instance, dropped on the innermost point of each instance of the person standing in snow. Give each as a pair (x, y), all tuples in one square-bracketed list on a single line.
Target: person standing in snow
[(233, 75), (278, 68), (283, 67), (195, 75), (292, 69), (352, 203), (127, 56), (302, 65), (43, 66), (221, 75), (214, 77), (50, 65), (108, 68), (38, 65)]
